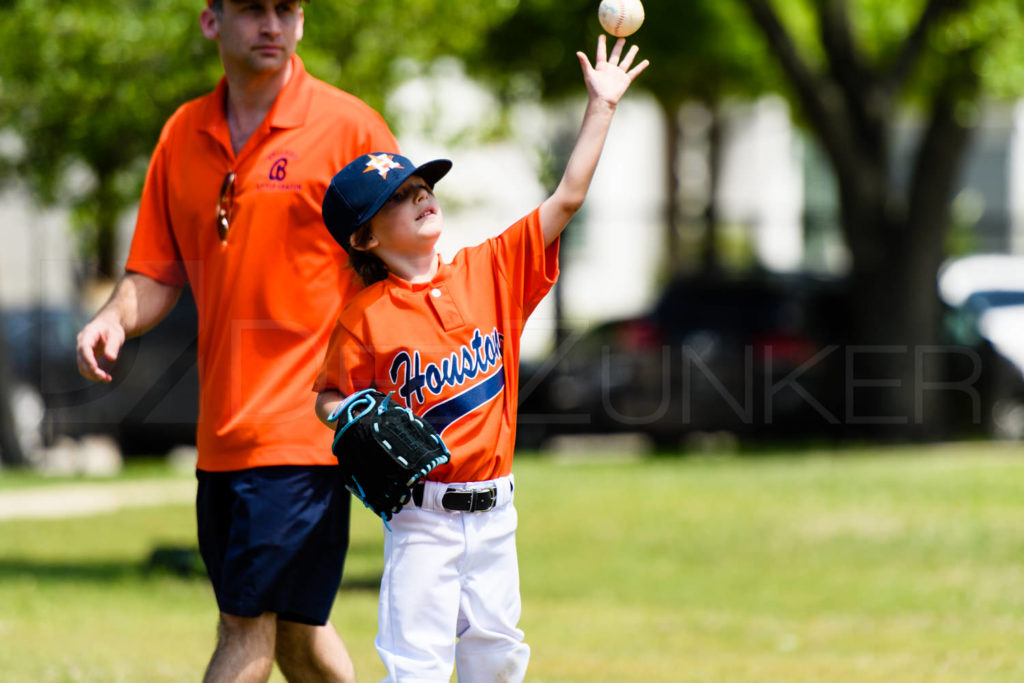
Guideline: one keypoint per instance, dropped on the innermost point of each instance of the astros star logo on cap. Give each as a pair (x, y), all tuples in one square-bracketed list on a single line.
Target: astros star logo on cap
[(381, 163)]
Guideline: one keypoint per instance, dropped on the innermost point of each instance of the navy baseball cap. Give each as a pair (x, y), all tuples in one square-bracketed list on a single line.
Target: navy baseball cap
[(358, 191)]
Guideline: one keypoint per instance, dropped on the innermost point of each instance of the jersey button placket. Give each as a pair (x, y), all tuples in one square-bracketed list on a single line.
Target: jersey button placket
[(446, 309)]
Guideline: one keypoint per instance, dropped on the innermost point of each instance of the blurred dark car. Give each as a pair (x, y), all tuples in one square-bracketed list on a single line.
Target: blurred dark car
[(39, 343), (757, 357), (149, 407)]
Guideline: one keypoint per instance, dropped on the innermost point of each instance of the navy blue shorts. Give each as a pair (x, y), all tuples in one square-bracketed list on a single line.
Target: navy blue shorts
[(274, 539)]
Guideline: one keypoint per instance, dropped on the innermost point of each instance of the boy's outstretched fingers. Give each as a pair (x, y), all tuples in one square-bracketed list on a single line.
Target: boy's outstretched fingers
[(603, 58), (613, 58), (628, 61)]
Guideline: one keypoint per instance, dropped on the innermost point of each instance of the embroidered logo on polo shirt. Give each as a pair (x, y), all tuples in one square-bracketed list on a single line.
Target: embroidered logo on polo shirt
[(276, 173), (279, 171)]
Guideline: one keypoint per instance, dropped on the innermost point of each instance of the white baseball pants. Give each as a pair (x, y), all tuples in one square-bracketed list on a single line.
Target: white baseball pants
[(450, 592)]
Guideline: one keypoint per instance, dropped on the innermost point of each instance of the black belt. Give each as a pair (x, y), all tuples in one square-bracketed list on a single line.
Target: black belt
[(459, 500)]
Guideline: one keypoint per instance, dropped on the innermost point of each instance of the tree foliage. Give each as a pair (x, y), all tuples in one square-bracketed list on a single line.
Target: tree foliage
[(701, 51), (90, 83)]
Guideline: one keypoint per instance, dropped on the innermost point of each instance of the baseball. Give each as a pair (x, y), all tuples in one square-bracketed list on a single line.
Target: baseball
[(620, 17)]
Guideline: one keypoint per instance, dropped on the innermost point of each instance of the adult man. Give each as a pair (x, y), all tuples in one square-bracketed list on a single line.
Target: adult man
[(231, 206)]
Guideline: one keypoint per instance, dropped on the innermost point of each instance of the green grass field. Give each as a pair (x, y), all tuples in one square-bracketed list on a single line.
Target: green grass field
[(858, 565)]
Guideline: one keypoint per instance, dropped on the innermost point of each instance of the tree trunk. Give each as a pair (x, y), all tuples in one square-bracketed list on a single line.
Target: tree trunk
[(709, 260), (897, 240), (673, 136)]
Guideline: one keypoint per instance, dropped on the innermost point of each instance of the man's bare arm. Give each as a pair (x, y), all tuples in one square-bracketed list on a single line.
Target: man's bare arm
[(137, 304)]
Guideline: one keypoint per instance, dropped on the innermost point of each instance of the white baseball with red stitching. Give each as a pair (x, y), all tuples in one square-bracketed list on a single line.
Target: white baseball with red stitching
[(621, 17)]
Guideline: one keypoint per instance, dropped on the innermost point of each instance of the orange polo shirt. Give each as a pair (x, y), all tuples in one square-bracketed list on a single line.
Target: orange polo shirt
[(268, 296), (449, 348)]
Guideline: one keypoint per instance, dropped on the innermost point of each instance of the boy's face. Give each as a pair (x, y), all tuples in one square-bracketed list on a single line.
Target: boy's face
[(409, 223)]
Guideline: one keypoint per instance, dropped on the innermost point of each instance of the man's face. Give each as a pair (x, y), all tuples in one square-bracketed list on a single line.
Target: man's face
[(256, 36)]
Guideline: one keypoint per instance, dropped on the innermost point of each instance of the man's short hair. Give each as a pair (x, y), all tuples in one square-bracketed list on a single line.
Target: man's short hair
[(218, 5)]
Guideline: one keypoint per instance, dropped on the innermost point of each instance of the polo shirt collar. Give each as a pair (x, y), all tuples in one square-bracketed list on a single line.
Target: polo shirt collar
[(293, 101), (290, 109)]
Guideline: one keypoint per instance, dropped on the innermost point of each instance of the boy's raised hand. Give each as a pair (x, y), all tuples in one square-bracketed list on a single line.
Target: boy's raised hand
[(610, 75), (606, 80)]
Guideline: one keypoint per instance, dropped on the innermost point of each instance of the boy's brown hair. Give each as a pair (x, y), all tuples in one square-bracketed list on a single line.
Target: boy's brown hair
[(368, 266)]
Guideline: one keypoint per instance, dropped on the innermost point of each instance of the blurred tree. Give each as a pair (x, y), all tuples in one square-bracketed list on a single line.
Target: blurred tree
[(701, 51), (369, 46), (853, 67), (87, 85)]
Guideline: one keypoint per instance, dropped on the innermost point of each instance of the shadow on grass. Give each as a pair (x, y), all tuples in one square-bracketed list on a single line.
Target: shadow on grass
[(70, 572), (360, 583), (182, 562)]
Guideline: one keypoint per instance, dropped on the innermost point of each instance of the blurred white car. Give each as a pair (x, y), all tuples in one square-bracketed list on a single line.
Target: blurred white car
[(985, 293)]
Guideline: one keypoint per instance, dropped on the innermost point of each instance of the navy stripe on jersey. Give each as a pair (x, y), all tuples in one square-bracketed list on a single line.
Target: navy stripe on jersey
[(450, 410)]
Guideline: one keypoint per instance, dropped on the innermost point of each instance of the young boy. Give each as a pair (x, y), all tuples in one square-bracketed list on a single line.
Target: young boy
[(445, 339)]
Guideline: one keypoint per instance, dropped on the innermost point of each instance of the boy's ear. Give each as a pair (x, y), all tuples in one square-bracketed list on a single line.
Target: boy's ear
[(370, 243)]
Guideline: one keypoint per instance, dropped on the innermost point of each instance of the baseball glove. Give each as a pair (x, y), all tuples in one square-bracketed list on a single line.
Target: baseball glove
[(382, 450)]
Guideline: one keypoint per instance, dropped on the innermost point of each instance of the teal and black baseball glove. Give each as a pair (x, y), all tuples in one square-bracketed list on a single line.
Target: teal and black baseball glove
[(383, 449)]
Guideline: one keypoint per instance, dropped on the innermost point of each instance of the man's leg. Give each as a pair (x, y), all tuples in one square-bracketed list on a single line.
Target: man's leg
[(312, 653), (245, 649)]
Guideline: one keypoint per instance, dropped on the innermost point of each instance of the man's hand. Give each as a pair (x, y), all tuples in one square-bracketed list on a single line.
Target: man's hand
[(99, 343), (138, 303)]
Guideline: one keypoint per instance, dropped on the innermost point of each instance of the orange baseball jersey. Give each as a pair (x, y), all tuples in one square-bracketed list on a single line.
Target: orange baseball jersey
[(449, 348), (268, 294)]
